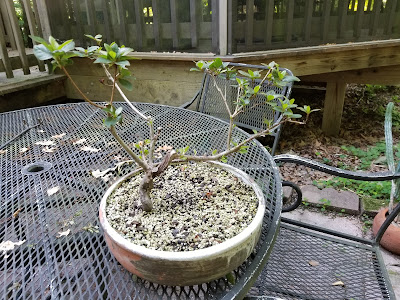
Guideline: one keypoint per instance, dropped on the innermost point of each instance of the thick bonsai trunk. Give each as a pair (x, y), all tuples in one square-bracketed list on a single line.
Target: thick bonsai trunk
[(145, 188)]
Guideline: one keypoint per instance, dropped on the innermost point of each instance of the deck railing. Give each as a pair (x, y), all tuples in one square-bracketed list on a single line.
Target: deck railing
[(18, 19), (218, 26), (195, 26)]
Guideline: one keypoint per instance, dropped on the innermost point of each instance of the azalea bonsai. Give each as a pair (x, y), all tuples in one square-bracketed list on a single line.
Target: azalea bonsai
[(115, 62)]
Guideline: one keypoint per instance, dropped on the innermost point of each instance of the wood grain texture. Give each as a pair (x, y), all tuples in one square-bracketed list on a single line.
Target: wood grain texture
[(333, 107)]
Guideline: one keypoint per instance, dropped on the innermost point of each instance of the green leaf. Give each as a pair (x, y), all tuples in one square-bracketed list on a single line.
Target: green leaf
[(38, 39), (123, 64), (224, 159), (102, 60), (67, 46), (112, 54), (256, 89), (41, 52), (194, 69), (124, 51), (126, 84), (53, 43), (118, 110), (110, 121), (214, 152)]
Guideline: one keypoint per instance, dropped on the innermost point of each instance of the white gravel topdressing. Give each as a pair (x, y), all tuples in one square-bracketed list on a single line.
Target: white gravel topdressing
[(195, 206)]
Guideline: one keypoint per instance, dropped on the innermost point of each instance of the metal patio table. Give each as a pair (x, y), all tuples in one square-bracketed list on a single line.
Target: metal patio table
[(52, 246)]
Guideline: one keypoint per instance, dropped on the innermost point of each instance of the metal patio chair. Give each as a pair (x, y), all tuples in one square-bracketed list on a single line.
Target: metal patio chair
[(208, 101), (348, 267)]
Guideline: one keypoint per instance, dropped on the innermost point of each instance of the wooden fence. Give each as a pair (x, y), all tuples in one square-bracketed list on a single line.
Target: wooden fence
[(18, 19), (193, 25)]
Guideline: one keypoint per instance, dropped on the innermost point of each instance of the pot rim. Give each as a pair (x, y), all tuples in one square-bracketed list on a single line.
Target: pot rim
[(215, 250)]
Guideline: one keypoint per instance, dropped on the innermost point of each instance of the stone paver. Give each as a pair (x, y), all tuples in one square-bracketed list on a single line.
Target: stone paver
[(332, 199)]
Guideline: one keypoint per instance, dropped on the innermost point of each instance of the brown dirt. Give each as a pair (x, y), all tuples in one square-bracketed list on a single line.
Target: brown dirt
[(362, 126)]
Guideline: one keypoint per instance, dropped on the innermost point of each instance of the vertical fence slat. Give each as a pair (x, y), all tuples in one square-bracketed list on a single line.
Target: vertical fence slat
[(7, 24), (308, 14), (32, 27), (107, 24), (37, 19), (326, 16), (91, 16), (174, 24), (79, 23), (194, 22), (64, 20), (3, 50), (269, 17), (122, 21), (391, 6), (43, 15), (358, 21), (249, 23), (214, 26), (18, 36), (230, 27), (156, 24), (342, 18), (375, 20), (289, 21), (140, 37)]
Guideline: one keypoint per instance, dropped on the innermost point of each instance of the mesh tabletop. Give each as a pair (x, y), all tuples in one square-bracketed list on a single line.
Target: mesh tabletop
[(52, 246)]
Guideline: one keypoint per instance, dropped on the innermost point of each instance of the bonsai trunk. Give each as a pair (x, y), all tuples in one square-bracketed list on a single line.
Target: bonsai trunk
[(145, 189)]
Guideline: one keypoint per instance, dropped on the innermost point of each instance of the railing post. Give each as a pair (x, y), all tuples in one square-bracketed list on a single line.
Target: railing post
[(223, 27), (44, 18)]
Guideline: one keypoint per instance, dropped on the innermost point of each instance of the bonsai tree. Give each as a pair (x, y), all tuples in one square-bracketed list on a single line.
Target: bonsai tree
[(115, 61)]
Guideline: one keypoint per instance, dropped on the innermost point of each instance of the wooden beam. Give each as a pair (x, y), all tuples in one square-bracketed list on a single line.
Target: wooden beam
[(333, 107), (108, 33), (269, 17), (79, 24), (174, 24), (308, 19), (195, 11), (91, 16), (325, 26), (249, 22), (289, 21), (7, 24), (389, 75), (157, 24), (141, 40), (223, 26)]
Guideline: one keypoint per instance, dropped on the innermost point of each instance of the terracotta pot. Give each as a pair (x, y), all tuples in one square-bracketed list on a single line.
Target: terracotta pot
[(190, 267), (391, 238)]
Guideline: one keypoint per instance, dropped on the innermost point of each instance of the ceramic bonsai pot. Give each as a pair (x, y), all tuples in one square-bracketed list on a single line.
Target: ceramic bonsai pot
[(391, 238), (188, 267)]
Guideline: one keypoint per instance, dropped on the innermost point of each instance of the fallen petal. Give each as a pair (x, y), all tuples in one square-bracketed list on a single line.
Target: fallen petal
[(45, 143), (53, 190), (338, 283), (48, 149), (63, 233), (22, 150), (90, 149), (59, 136), (9, 245), (313, 263), (77, 142)]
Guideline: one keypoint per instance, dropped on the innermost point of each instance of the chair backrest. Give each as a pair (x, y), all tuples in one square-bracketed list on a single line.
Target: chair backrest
[(211, 101)]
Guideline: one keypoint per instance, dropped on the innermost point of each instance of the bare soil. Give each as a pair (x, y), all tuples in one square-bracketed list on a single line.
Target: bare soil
[(362, 126)]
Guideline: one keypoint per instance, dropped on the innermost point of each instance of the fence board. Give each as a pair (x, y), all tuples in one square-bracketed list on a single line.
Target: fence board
[(342, 18), (269, 18), (156, 24), (214, 25), (122, 21), (107, 32), (391, 7), (3, 50), (249, 22), (32, 27), (7, 24), (289, 21), (18, 36), (375, 20), (194, 22), (308, 14), (140, 33), (174, 24), (91, 16), (358, 22), (325, 20), (64, 19), (37, 19), (79, 23)]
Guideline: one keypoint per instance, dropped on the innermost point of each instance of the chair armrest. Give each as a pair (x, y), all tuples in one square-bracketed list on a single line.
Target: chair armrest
[(191, 101), (366, 176)]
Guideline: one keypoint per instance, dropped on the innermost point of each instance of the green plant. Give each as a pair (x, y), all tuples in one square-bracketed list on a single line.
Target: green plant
[(115, 61), (367, 223), (325, 204)]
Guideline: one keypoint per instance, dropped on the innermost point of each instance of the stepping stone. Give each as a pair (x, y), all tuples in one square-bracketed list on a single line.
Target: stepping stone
[(332, 199)]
